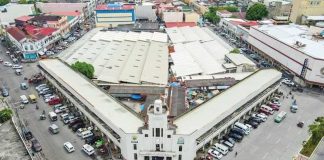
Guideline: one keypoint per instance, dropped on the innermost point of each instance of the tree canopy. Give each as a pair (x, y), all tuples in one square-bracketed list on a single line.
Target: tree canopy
[(317, 131), (235, 50), (4, 2), (5, 115), (84, 68), (256, 12)]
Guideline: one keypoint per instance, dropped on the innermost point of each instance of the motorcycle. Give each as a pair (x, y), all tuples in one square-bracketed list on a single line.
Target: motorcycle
[(42, 117), (300, 124)]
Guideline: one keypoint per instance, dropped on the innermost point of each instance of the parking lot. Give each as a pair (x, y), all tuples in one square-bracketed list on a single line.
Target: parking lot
[(281, 141), (52, 145)]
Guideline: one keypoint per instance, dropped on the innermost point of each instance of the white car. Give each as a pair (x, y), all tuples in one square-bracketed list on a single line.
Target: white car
[(17, 66), (215, 154), (287, 82), (276, 103), (47, 99), (89, 150), (69, 147), (8, 64)]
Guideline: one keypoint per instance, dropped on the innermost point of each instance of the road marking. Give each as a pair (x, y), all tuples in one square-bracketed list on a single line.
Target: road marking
[(278, 141), (265, 155)]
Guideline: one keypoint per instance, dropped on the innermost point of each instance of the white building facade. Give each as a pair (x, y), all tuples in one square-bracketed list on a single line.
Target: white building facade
[(293, 48)]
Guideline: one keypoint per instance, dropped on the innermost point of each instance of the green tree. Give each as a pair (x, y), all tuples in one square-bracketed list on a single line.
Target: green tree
[(235, 50), (256, 12), (4, 2), (5, 115), (317, 131), (22, 2), (84, 68), (212, 17)]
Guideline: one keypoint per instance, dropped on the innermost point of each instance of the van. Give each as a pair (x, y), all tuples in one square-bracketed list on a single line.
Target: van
[(86, 134), (53, 128), (243, 127), (267, 108), (23, 99), (89, 150), (52, 116), (221, 148), (281, 116), (32, 98)]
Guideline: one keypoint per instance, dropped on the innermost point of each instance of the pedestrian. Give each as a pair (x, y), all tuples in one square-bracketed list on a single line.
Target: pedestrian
[(235, 154)]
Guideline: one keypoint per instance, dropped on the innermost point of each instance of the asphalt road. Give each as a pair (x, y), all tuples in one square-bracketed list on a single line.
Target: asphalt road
[(281, 141), (52, 144)]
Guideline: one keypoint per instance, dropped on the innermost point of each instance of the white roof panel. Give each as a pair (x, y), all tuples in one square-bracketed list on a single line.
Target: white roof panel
[(105, 106), (289, 34), (216, 109), (239, 59)]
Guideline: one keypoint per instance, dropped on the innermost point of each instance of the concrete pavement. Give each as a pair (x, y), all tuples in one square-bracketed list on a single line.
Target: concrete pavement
[(281, 141), (52, 144)]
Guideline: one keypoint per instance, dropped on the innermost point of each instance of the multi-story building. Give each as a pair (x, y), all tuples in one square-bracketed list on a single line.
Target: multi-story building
[(306, 8), (111, 15), (33, 40), (59, 22), (293, 48)]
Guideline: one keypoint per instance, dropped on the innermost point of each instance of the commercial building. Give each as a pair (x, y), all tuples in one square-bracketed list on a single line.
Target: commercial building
[(240, 63), (306, 8), (65, 7), (33, 40), (154, 137), (123, 57), (111, 15), (58, 22), (291, 47)]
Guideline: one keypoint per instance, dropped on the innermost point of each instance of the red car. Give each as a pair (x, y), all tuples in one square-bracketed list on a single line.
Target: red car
[(264, 111), (274, 107), (54, 101)]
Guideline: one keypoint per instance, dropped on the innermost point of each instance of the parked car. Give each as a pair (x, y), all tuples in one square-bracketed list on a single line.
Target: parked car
[(7, 64), (4, 92), (69, 147), (261, 116), (54, 101), (27, 133), (229, 139), (36, 146), (256, 119), (215, 153), (89, 150), (237, 131), (91, 140), (252, 123), (236, 137), (75, 127), (17, 66), (75, 121), (228, 144)]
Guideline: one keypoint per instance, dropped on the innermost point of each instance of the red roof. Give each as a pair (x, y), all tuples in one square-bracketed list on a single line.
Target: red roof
[(16, 33), (24, 18), (179, 24), (37, 32), (122, 7), (248, 23), (67, 13)]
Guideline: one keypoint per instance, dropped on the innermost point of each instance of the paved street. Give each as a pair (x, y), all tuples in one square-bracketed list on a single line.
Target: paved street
[(273, 141), (52, 144)]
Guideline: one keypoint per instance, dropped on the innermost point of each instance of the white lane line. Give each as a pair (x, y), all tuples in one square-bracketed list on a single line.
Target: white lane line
[(265, 155), (278, 141)]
